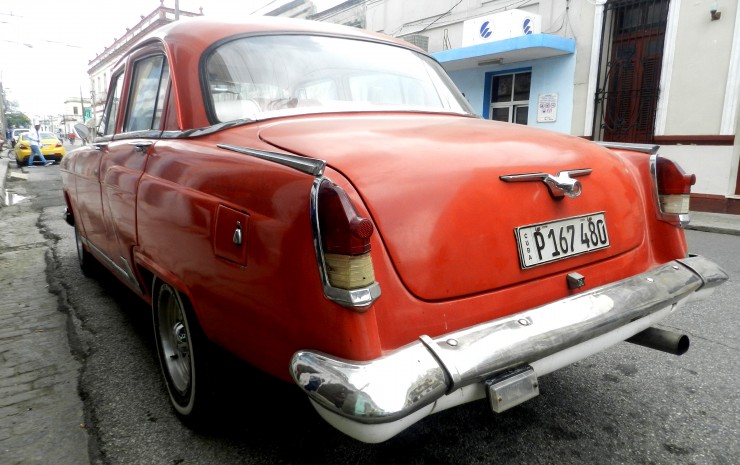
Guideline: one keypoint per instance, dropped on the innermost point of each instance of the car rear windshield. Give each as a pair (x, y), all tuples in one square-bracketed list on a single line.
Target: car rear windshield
[(252, 77)]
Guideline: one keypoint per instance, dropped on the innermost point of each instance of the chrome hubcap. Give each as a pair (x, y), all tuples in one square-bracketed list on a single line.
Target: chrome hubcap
[(173, 334), (180, 335)]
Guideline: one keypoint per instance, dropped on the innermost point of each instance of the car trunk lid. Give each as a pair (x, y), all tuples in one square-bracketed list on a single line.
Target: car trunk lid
[(451, 225)]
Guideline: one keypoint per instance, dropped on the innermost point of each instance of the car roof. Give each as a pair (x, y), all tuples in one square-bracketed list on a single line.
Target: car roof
[(211, 30), (185, 42)]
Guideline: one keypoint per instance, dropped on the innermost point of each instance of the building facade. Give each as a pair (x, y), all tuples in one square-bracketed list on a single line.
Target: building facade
[(660, 72), (76, 110), (100, 67), (663, 72)]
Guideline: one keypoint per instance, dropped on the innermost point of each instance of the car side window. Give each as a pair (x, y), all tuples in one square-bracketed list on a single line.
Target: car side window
[(108, 125), (148, 90)]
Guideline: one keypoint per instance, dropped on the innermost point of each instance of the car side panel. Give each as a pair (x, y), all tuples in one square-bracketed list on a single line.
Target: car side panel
[(89, 211), (271, 306), (121, 168)]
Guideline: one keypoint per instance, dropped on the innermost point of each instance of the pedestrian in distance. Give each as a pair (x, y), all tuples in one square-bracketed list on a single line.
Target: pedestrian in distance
[(34, 139)]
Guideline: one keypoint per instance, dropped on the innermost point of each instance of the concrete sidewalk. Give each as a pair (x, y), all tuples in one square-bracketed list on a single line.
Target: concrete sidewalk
[(3, 176), (715, 222), (41, 413)]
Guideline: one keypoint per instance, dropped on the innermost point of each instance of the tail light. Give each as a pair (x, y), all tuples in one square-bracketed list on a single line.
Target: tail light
[(24, 146), (59, 144), (343, 231), (345, 239), (674, 187), (344, 252)]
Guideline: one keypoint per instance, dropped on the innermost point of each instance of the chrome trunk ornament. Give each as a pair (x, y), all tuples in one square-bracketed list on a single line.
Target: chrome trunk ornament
[(559, 185)]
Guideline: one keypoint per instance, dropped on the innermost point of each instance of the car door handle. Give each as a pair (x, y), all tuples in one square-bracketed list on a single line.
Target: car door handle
[(142, 146), (100, 145)]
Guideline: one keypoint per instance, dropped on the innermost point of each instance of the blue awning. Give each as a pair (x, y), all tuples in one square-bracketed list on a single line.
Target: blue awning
[(523, 48)]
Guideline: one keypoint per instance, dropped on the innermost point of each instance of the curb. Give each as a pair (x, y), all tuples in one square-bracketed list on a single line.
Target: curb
[(713, 229), (721, 223)]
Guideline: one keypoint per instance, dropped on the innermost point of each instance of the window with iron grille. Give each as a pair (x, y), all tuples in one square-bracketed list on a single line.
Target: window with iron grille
[(631, 58)]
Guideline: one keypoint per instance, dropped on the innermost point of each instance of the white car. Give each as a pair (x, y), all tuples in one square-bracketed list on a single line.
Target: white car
[(16, 135)]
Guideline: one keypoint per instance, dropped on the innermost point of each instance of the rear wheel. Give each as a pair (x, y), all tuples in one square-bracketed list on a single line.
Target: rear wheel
[(183, 352)]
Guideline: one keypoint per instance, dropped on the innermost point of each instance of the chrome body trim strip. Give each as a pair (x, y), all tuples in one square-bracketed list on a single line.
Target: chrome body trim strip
[(127, 276), (307, 165), (644, 148), (358, 299), (411, 378)]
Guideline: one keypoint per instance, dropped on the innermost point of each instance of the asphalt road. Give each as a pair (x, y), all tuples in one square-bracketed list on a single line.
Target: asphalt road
[(629, 405)]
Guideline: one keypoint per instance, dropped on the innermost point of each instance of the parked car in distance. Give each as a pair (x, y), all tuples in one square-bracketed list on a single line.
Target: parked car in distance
[(16, 134), (322, 202), (51, 147)]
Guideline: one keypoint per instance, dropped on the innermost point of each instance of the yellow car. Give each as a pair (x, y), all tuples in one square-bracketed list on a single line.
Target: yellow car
[(51, 147)]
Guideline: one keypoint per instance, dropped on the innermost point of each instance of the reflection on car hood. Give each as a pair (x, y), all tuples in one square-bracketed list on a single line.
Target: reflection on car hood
[(432, 185)]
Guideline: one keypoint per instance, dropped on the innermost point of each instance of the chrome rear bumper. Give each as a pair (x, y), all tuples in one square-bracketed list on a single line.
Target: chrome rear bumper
[(411, 378)]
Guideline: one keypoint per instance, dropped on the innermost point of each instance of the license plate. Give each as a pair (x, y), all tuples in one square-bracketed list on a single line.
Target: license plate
[(555, 240)]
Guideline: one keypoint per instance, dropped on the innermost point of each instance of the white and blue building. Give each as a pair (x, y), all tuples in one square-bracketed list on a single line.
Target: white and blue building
[(661, 72)]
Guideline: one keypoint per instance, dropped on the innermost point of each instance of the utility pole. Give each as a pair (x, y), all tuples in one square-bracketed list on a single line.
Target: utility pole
[(3, 120), (82, 103)]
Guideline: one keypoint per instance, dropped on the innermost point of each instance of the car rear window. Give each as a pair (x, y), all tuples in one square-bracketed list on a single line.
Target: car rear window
[(254, 75)]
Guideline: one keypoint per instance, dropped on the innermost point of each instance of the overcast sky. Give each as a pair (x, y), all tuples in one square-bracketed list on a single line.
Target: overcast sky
[(45, 45)]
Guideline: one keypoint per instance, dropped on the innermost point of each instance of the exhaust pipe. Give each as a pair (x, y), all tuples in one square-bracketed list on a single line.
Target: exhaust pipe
[(660, 339)]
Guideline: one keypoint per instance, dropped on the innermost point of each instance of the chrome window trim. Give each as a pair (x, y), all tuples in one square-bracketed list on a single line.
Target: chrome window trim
[(357, 299)]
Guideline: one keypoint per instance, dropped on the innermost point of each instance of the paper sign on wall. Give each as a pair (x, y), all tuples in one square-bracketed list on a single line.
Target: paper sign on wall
[(547, 108)]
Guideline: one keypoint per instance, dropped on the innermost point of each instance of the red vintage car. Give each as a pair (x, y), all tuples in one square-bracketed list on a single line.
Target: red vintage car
[(323, 202)]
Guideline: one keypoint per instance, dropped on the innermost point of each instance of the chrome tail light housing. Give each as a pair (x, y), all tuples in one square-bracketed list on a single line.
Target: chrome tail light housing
[(671, 189), (343, 249)]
